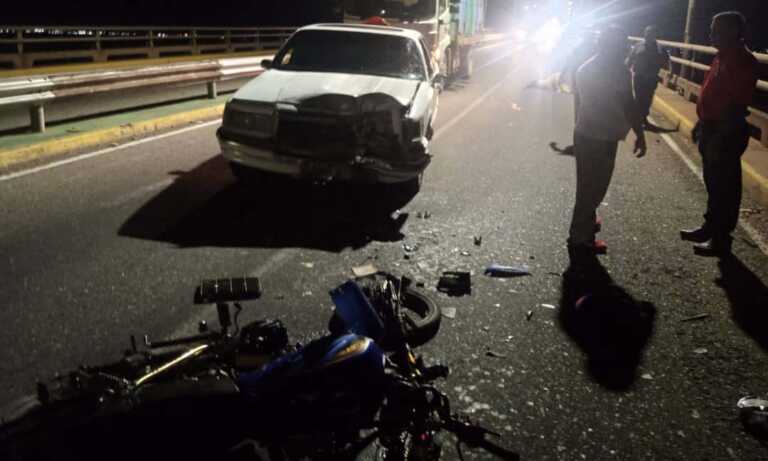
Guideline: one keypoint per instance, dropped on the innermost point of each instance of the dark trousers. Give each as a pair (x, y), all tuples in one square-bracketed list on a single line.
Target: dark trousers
[(644, 87), (595, 160), (721, 148)]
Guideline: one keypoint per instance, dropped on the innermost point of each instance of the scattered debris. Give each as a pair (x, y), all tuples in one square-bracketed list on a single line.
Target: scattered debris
[(455, 283), (279, 296), (695, 317), (307, 293), (681, 434), (516, 107), (364, 271), (410, 248), (497, 270), (528, 315), (423, 215), (478, 240), (308, 265), (465, 253), (700, 350), (477, 406), (695, 414), (449, 312), (750, 242), (556, 274), (549, 306), (754, 416), (647, 376), (750, 211), (495, 355), (486, 329)]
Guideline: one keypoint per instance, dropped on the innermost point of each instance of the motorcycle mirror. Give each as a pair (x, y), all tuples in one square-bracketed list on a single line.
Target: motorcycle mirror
[(227, 290)]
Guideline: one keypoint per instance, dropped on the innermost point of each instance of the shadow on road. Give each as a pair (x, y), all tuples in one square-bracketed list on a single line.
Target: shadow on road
[(748, 297), (608, 324), (206, 207), (567, 150)]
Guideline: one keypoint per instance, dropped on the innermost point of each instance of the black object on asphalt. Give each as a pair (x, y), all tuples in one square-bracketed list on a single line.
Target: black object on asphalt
[(455, 283), (754, 416)]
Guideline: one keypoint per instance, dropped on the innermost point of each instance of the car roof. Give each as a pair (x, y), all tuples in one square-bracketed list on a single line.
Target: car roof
[(365, 28)]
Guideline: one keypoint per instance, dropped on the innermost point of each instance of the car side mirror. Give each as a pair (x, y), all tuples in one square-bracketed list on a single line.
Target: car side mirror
[(439, 81), (266, 63)]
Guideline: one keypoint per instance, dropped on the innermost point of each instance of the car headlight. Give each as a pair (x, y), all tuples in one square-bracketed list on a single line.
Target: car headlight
[(252, 118)]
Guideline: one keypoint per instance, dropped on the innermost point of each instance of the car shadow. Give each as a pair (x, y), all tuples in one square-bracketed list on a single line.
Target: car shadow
[(610, 327), (748, 297), (207, 207)]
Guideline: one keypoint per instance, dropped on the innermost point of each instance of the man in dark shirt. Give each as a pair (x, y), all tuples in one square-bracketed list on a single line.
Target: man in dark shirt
[(723, 134), (645, 61)]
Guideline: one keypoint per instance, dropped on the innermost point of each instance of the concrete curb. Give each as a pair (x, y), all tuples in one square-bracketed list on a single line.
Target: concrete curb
[(754, 181), (55, 147)]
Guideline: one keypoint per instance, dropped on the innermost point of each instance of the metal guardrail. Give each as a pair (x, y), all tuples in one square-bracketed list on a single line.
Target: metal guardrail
[(29, 46), (690, 89), (33, 93)]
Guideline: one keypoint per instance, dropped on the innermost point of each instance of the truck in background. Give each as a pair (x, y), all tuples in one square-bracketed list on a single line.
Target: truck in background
[(450, 27)]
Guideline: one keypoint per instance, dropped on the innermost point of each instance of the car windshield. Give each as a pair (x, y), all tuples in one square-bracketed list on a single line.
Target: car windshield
[(399, 9), (353, 53)]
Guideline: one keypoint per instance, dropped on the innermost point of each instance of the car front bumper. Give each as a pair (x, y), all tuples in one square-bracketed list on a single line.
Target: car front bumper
[(261, 155)]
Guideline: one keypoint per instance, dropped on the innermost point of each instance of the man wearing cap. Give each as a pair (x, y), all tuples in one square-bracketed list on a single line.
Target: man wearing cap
[(722, 133)]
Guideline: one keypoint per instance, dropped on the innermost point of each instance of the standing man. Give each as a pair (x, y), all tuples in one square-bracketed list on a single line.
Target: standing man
[(722, 133), (605, 111), (645, 60)]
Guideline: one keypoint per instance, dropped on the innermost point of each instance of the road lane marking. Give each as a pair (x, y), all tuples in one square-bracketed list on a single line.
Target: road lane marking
[(98, 153), (140, 192), (472, 106), (753, 233)]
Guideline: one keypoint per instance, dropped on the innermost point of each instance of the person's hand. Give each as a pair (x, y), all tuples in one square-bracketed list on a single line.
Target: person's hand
[(640, 147), (696, 132)]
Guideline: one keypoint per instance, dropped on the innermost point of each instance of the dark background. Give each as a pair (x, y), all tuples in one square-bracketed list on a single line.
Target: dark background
[(668, 15)]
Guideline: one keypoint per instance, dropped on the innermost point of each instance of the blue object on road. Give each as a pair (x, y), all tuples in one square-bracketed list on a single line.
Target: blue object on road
[(497, 270), (356, 311)]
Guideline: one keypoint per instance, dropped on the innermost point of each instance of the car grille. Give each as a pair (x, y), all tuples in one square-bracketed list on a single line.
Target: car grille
[(316, 135)]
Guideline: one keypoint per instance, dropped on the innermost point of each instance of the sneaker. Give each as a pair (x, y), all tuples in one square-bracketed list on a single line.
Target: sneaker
[(600, 247)]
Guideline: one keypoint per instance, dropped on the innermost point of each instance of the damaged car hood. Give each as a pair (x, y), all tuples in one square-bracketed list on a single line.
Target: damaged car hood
[(294, 87)]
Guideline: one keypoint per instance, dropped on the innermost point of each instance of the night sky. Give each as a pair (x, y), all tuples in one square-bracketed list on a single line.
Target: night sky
[(668, 15)]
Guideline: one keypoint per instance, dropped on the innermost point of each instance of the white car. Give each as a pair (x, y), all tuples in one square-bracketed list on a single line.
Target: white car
[(339, 101)]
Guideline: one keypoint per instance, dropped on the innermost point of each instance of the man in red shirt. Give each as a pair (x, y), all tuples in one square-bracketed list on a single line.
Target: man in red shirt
[(723, 134)]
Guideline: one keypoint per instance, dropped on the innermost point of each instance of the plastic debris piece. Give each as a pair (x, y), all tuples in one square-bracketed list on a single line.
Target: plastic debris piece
[(307, 293), (410, 248), (495, 355), (308, 265), (465, 253), (695, 414), (701, 350), (364, 271), (486, 329), (449, 312), (455, 283), (423, 215), (528, 315), (695, 317), (497, 270), (478, 240), (754, 416), (549, 306), (647, 376)]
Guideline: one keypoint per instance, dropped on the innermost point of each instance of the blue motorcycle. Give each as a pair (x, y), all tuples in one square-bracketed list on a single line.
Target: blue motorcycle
[(245, 393)]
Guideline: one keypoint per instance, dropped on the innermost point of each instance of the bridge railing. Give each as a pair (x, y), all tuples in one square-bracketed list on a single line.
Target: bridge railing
[(30, 46), (684, 81), (34, 93)]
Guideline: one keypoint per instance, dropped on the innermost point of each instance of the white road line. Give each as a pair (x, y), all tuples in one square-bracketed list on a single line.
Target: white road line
[(19, 174), (753, 233), (125, 198), (472, 106)]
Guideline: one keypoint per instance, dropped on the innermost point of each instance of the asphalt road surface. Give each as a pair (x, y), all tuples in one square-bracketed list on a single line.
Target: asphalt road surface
[(95, 250)]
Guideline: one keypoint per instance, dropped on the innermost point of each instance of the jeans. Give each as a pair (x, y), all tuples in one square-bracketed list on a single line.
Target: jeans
[(595, 160), (721, 146)]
